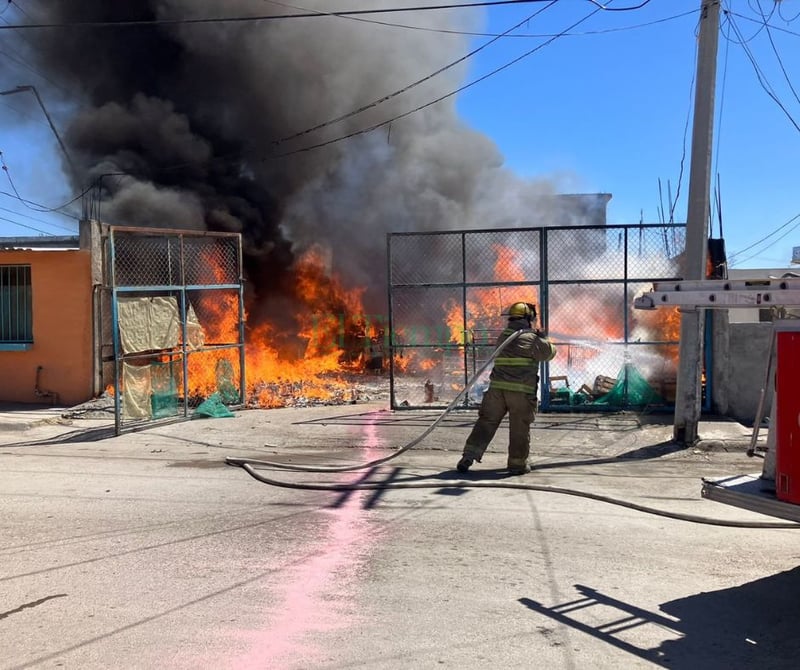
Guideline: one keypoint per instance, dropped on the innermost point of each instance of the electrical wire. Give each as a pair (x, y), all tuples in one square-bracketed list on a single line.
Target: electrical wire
[(619, 9), (20, 8), (775, 51), (733, 257), (762, 25), (505, 66), (19, 111), (11, 181), (387, 122), (274, 17), (408, 87), (22, 225), (771, 25), (469, 33), (45, 208), (780, 13), (305, 15), (761, 77), (22, 62), (33, 218)]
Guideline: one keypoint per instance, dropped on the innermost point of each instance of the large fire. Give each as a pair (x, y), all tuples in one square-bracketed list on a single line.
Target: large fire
[(334, 340)]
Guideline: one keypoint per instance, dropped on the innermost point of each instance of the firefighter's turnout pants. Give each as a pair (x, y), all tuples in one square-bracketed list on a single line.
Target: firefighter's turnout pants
[(521, 409)]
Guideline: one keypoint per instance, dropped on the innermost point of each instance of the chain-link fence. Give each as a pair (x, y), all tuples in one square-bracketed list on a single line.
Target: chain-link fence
[(447, 292), (171, 317)]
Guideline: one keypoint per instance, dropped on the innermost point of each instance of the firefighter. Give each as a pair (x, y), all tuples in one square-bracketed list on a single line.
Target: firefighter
[(512, 390)]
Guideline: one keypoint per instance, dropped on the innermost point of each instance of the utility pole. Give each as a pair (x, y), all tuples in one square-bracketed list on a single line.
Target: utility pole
[(688, 391)]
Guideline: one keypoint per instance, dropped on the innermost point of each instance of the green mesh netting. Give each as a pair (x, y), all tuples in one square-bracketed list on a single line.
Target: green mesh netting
[(226, 381), (566, 396), (631, 389), (164, 395), (213, 407)]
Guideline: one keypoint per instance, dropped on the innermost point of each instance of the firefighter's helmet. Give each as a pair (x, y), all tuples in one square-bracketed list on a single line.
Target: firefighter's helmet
[(525, 310)]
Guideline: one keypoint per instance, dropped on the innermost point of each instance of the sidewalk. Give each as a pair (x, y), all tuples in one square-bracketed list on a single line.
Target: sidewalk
[(609, 434), (19, 417)]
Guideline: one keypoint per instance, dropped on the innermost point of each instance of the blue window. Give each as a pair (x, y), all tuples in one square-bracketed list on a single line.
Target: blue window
[(16, 308)]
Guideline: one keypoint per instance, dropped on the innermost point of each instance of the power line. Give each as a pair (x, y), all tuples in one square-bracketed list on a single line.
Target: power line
[(760, 76), (19, 8), (269, 17), (408, 87), (775, 50), (375, 103), (442, 97), (752, 20), (38, 207), (764, 239), (33, 218), (20, 61), (20, 112), (619, 9), (780, 13), (470, 33), (303, 15), (22, 225), (44, 208), (24, 64)]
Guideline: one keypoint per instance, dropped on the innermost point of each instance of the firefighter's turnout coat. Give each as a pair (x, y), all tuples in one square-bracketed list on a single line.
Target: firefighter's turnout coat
[(516, 367), (512, 390)]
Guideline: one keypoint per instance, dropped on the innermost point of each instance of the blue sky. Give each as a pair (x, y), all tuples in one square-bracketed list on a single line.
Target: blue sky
[(601, 110)]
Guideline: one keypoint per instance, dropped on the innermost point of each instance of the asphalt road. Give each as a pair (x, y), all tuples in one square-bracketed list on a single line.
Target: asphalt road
[(148, 551)]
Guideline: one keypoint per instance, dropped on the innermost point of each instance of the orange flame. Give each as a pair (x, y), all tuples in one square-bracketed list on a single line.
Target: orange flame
[(485, 305), (333, 336)]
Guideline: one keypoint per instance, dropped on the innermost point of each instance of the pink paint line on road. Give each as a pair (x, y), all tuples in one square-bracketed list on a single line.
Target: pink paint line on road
[(319, 594)]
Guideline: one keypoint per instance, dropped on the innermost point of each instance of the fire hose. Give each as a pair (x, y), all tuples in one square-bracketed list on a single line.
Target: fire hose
[(248, 465)]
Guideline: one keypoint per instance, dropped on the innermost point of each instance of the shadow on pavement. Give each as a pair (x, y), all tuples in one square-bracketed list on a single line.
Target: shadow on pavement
[(749, 626), (73, 436)]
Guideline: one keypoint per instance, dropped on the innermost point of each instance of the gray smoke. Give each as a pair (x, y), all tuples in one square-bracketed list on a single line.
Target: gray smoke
[(193, 114)]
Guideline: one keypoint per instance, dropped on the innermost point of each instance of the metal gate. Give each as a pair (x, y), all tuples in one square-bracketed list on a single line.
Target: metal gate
[(447, 291), (172, 322)]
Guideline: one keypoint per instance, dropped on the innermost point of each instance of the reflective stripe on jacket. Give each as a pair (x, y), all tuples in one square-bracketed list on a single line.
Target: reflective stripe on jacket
[(517, 366)]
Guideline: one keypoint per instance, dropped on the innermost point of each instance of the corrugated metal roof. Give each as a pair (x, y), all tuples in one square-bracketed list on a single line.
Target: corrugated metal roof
[(48, 243)]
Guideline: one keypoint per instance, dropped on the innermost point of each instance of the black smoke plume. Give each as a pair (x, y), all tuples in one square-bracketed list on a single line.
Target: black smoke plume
[(188, 119)]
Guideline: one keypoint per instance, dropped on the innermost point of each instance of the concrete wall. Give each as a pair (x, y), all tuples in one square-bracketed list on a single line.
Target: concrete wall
[(739, 366), (61, 289)]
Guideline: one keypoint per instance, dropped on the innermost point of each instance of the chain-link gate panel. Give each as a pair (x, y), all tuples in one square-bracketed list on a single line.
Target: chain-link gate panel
[(453, 287), (172, 322), (209, 261), (436, 259)]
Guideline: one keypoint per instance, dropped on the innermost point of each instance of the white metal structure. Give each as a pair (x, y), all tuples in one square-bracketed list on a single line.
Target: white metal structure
[(753, 492), (723, 294)]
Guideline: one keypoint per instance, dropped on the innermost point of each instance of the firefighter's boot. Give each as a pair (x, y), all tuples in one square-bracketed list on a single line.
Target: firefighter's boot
[(464, 464), (519, 468)]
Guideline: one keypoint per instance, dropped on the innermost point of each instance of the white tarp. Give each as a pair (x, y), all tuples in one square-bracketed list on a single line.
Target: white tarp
[(147, 324), (137, 388), (195, 335)]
